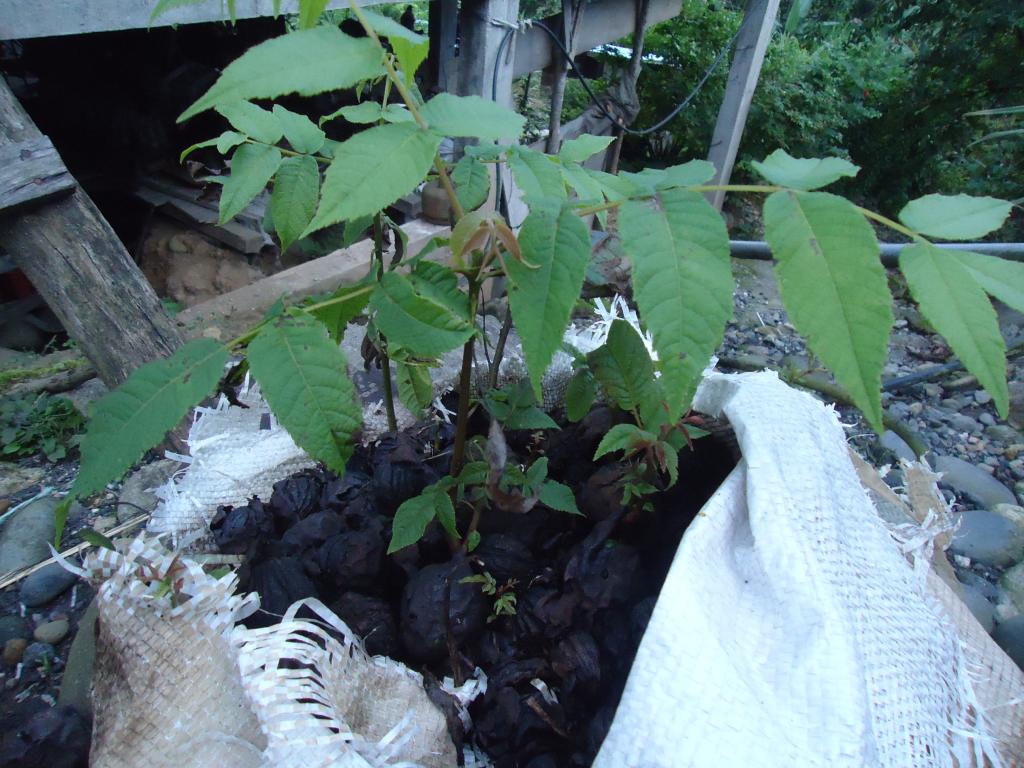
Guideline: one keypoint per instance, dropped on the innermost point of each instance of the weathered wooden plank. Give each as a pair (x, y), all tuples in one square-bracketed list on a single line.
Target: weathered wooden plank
[(751, 45), (76, 262), (48, 18), (605, 21), (31, 171)]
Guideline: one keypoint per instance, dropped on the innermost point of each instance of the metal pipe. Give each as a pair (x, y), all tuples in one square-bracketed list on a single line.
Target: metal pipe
[(758, 249)]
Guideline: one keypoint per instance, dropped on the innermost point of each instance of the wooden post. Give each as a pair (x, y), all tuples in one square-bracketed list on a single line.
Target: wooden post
[(76, 262), (751, 45), (572, 15)]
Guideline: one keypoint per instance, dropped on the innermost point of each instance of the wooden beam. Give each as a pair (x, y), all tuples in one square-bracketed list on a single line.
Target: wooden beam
[(20, 20), (78, 265), (751, 45), (605, 21), (31, 171)]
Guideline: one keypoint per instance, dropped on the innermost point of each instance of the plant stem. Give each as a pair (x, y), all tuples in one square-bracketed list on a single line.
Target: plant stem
[(465, 386), (499, 349), (894, 225), (385, 360)]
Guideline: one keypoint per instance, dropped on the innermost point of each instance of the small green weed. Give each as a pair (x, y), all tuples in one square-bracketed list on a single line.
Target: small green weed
[(29, 425)]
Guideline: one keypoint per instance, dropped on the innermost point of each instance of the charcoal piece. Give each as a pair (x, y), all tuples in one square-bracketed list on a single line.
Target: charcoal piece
[(293, 499), (516, 672), (340, 492), (399, 472), (238, 530), (598, 727), (424, 625), (353, 559), (505, 557), (543, 612), (640, 617), (600, 571), (495, 720), (372, 619), (311, 532), (279, 581), (577, 661), (600, 497), (50, 738), (494, 649), (544, 761), (616, 638)]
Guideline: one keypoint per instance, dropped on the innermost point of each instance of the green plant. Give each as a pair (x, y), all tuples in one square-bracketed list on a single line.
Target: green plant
[(32, 424), (504, 595), (828, 267)]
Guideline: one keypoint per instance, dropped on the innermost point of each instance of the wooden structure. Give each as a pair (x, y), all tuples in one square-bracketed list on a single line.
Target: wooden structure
[(77, 263)]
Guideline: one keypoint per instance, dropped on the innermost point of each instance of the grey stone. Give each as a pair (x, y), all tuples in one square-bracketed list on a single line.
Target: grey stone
[(136, 493), (897, 445), (979, 583), (76, 685), (52, 632), (1018, 490), (964, 423), (982, 609), (1003, 433), (14, 478), (11, 627), (986, 418), (85, 395), (14, 650), (1012, 512), (988, 538), (1010, 637), (36, 652), (981, 397), (25, 534), (1012, 585), (968, 479), (45, 585)]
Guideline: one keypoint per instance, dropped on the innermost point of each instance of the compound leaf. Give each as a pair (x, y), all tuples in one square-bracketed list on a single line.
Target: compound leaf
[(623, 437), (414, 515), (416, 319), (682, 283), (252, 166), (354, 297), (559, 497), (955, 217), (302, 373), (133, 418), (308, 62), (300, 131), (372, 170), (474, 116), (623, 368), (293, 201), (472, 182), (556, 244), (536, 175), (415, 388), (803, 173), (834, 288), (957, 307), (583, 147), (999, 277), (580, 394), (363, 113)]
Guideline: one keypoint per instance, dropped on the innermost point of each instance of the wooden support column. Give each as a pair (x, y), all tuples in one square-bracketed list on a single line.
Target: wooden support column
[(76, 262), (751, 45), (444, 21)]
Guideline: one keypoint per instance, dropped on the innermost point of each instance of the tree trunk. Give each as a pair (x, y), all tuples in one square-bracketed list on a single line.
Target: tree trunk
[(79, 266)]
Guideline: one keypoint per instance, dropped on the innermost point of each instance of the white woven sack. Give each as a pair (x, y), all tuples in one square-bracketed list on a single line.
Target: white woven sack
[(791, 630)]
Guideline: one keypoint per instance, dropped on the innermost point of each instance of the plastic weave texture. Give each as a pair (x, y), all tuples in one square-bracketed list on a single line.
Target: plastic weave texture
[(791, 629)]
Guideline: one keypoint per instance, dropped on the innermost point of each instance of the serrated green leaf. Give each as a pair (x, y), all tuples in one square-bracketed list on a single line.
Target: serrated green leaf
[(558, 497), (446, 515), (355, 230), (516, 408), (647, 181), (623, 368), (415, 388), (614, 187), (253, 121), (953, 302), (440, 284), (623, 437), (310, 12), (372, 170), (688, 174), (557, 245), (580, 395), (583, 147), (163, 6), (587, 188), (1000, 278), (133, 418), (300, 131), (413, 517), (537, 472), (306, 62), (415, 321), (200, 145), (97, 539), (782, 169), (682, 283), (834, 288), (410, 47), (671, 461), (536, 175), (302, 374), (397, 113), (252, 167), (474, 116), (364, 113), (472, 541), (472, 183), (336, 316), (293, 201), (955, 217), (229, 140), (465, 228)]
